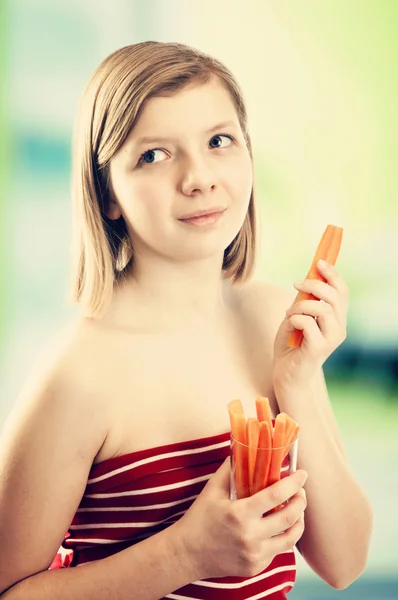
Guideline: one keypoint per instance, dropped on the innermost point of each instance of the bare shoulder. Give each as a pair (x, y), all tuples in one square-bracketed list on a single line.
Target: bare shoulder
[(59, 385), (263, 305), (48, 445), (267, 292)]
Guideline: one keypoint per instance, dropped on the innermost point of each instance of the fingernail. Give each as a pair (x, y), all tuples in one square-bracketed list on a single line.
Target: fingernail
[(304, 474), (323, 264), (298, 283)]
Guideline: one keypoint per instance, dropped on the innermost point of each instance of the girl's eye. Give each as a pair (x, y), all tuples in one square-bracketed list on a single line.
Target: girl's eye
[(150, 156), (217, 141), (155, 155)]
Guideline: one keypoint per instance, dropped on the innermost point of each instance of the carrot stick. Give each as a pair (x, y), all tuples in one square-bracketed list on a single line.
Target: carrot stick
[(278, 440), (290, 434), (264, 411), (240, 455), (328, 249), (291, 429), (237, 420), (263, 458), (253, 434)]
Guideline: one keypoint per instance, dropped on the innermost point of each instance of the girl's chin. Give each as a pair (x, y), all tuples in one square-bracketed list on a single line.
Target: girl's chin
[(213, 253)]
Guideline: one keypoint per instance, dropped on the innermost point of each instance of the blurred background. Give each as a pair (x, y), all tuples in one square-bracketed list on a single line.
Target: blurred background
[(320, 79)]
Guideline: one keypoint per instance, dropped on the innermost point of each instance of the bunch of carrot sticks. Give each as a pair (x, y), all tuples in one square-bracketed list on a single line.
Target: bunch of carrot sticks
[(259, 446)]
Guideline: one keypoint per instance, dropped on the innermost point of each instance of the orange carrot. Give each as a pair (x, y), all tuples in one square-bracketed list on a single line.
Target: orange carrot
[(278, 442), (263, 458), (237, 420), (259, 449), (328, 249), (238, 430), (263, 410), (253, 434), (291, 429), (290, 434)]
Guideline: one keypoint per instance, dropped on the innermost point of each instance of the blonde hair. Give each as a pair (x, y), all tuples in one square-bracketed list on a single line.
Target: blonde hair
[(109, 110)]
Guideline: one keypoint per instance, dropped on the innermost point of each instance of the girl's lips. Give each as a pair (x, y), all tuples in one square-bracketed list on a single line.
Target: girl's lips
[(207, 219)]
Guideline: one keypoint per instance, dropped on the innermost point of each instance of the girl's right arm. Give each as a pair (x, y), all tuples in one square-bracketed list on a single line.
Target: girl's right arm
[(148, 570), (46, 452)]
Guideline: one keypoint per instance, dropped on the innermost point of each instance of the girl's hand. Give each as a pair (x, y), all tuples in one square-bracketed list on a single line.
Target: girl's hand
[(224, 537), (323, 325)]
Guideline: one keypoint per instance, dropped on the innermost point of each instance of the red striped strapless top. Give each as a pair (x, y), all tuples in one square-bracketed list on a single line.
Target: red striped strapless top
[(131, 497)]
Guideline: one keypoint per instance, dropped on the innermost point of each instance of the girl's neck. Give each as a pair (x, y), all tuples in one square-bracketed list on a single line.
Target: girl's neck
[(173, 295)]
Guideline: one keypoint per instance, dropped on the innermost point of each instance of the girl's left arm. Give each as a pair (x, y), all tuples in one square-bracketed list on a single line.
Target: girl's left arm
[(338, 517)]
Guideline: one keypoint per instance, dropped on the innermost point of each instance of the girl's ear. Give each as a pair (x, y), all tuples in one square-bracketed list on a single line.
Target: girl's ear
[(113, 211)]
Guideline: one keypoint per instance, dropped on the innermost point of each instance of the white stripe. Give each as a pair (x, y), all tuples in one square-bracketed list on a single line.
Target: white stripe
[(96, 541), (121, 525), (175, 597), (133, 540), (131, 508), (151, 459), (240, 584), (259, 596), (151, 490)]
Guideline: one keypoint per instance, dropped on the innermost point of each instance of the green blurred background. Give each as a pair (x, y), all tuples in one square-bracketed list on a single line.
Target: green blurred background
[(321, 85)]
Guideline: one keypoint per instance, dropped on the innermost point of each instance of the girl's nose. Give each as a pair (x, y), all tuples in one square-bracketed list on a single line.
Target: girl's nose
[(197, 178)]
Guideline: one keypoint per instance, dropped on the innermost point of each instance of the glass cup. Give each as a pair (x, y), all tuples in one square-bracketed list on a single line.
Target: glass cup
[(253, 469)]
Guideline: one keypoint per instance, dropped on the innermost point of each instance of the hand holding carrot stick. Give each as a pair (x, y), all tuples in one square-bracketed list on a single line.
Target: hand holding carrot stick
[(328, 250), (298, 356)]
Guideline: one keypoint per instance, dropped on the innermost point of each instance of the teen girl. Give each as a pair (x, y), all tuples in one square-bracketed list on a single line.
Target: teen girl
[(122, 440)]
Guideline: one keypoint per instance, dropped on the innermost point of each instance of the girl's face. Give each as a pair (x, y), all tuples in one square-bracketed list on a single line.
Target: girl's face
[(185, 155)]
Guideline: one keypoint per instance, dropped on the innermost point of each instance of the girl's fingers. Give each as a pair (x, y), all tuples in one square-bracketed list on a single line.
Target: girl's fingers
[(332, 330), (322, 291), (336, 297), (287, 516), (288, 539), (276, 494), (320, 330), (333, 290), (319, 289), (333, 277), (331, 322), (312, 334), (313, 308)]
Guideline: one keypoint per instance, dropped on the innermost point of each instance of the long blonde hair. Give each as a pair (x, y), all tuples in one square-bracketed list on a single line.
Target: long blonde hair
[(109, 110)]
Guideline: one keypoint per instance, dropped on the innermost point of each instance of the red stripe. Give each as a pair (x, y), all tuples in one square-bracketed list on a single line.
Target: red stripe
[(145, 499), (177, 475), (142, 516)]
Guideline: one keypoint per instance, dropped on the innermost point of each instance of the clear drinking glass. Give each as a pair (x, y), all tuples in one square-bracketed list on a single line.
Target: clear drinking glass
[(253, 469)]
